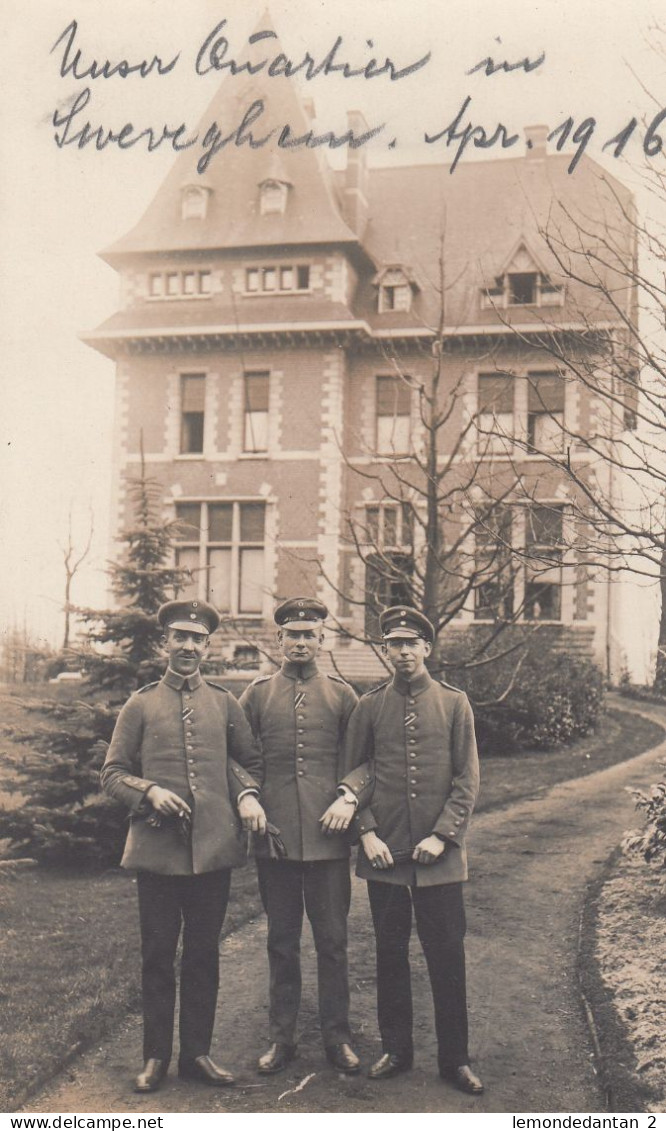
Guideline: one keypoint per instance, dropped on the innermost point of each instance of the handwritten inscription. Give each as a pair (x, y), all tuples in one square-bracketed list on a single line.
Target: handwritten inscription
[(71, 129), (213, 56), (72, 63), (251, 126)]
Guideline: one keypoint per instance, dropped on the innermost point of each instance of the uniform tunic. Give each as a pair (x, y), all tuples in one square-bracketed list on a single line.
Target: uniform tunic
[(419, 738), (191, 737), (299, 717)]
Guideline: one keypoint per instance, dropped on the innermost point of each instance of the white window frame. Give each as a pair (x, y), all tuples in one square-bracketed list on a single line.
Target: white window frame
[(262, 270), (159, 291), (204, 546)]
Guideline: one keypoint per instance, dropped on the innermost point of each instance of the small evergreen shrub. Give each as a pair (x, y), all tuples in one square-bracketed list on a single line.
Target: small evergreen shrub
[(539, 701), (650, 841)]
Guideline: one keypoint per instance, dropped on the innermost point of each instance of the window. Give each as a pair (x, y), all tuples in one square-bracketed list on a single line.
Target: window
[(494, 592), (273, 197), (255, 434), (395, 291), (543, 566), (194, 203), (180, 284), (192, 403), (495, 412), (393, 411), (222, 545), (545, 412), (284, 279), (389, 567), (522, 288)]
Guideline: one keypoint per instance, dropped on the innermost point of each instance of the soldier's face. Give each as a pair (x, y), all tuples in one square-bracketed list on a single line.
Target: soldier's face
[(300, 644), (408, 654), (185, 650)]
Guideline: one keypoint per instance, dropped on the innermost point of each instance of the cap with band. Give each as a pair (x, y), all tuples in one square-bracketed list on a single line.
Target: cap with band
[(301, 612), (189, 616), (401, 622)]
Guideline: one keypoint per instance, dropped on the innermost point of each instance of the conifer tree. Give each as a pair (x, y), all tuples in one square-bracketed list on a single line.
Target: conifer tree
[(62, 818)]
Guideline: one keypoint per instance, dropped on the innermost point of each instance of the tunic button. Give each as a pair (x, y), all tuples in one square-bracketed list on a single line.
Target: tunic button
[(190, 747), (300, 773), (192, 774), (193, 787), (411, 702), (300, 718), (300, 759), (191, 761), (412, 795), (301, 730), (412, 742), (300, 745)]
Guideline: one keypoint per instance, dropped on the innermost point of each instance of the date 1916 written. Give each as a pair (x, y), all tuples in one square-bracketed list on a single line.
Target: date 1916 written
[(460, 134)]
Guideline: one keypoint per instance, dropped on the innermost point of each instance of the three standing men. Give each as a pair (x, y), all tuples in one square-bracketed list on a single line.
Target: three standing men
[(184, 762), (299, 716), (418, 735)]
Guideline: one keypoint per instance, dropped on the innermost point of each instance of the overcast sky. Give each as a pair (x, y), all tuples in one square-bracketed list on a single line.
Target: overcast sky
[(59, 207)]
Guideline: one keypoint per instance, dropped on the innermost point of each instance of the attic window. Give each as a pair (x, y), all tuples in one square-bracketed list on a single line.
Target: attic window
[(522, 288), (273, 197), (395, 292), (194, 203)]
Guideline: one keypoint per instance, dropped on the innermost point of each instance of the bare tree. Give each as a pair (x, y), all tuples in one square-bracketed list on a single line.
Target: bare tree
[(73, 560)]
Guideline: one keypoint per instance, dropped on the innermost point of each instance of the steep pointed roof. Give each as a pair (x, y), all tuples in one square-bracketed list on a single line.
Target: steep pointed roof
[(233, 218)]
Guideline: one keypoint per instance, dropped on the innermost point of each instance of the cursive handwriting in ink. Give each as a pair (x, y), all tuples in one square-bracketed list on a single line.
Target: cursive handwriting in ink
[(213, 51), (490, 67), (106, 70), (471, 135), (125, 138), (214, 141)]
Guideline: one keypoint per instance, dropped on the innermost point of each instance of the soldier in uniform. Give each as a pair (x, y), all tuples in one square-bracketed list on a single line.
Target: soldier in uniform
[(299, 717), (415, 736), (184, 762)]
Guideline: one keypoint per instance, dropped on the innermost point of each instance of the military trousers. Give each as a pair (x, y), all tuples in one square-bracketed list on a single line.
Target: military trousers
[(440, 923), (321, 889), (198, 904)]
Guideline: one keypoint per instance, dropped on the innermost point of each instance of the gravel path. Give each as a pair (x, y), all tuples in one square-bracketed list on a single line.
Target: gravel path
[(531, 864)]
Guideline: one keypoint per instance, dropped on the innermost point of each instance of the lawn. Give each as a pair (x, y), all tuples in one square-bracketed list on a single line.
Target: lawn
[(69, 947)]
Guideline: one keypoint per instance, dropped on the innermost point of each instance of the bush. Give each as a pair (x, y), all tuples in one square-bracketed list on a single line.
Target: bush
[(650, 841), (553, 699)]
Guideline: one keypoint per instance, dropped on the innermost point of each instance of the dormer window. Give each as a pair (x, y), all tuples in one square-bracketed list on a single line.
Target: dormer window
[(522, 288), (194, 202), (395, 289), (273, 197), (522, 284)]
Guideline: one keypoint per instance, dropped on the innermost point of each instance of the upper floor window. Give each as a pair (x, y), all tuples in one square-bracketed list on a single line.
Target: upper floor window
[(180, 284), (545, 413), (522, 288), (256, 392), (222, 544), (495, 412), (192, 405), (395, 291), (194, 202), (393, 414), (543, 562), (277, 279), (273, 196)]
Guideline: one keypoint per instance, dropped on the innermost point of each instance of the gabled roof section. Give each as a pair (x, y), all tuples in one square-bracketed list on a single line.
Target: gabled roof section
[(233, 218)]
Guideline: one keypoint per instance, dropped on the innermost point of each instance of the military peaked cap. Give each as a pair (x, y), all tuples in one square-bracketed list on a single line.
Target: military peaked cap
[(301, 612), (401, 622), (192, 616)]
